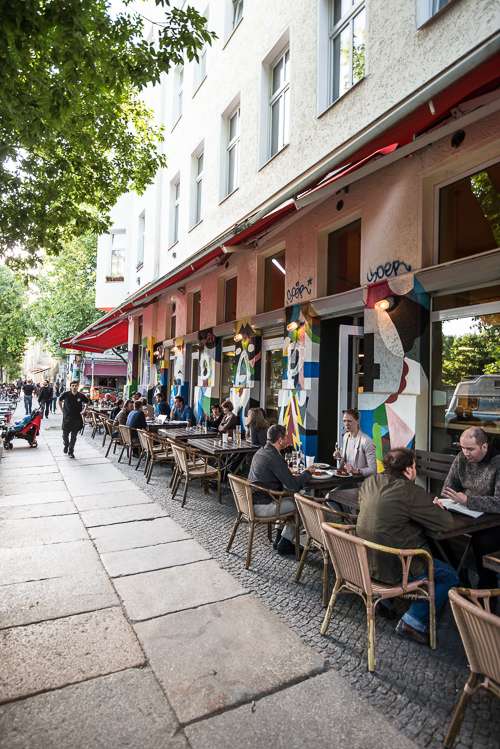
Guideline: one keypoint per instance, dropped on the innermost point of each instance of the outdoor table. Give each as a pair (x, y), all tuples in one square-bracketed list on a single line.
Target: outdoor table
[(155, 426), (213, 446), (181, 433), (321, 486), (492, 561)]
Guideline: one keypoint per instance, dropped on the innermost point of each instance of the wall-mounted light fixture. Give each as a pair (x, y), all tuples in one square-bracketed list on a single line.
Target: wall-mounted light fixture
[(238, 337), (278, 265), (182, 290), (293, 325), (384, 304)]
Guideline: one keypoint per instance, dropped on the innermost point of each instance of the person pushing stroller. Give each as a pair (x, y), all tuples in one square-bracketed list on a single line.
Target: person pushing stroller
[(73, 405)]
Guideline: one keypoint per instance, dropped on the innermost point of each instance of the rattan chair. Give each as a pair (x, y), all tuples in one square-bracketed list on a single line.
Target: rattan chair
[(480, 633), (128, 445), (350, 562), (191, 465), (312, 515), (114, 441), (242, 493), (159, 453)]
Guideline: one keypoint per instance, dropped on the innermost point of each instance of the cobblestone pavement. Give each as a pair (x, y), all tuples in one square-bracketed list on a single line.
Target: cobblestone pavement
[(413, 686)]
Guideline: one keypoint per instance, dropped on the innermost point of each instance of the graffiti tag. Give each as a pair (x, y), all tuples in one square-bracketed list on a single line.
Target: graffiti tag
[(386, 270), (297, 291)]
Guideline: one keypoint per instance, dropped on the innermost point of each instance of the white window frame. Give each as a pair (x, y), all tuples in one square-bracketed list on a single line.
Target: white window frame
[(141, 238), (120, 249), (197, 178), (278, 51), (200, 71), (175, 209), (281, 98), (232, 18), (233, 151), (178, 94), (425, 10)]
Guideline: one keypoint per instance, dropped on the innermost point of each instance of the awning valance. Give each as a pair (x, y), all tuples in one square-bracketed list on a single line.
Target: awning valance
[(99, 341)]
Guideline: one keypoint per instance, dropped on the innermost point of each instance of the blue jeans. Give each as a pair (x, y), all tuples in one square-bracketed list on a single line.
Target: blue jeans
[(28, 399), (445, 578)]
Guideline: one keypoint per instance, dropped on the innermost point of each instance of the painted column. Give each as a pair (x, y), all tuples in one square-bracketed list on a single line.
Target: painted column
[(245, 393), (180, 386), (394, 404), (133, 360), (298, 399), (206, 391)]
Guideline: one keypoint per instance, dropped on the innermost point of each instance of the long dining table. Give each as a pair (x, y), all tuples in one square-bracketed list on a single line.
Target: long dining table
[(225, 451)]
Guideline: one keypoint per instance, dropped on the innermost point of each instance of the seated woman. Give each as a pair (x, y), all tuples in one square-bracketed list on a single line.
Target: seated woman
[(229, 420), (148, 410), (257, 426), (358, 455), (215, 417)]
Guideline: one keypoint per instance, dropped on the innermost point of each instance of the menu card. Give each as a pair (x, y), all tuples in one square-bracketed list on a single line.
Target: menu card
[(449, 504)]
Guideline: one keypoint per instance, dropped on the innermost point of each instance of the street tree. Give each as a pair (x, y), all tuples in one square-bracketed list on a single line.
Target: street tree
[(13, 323), (75, 133)]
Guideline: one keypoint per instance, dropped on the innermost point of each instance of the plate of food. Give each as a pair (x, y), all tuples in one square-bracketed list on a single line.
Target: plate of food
[(322, 466), (320, 473), (341, 473)]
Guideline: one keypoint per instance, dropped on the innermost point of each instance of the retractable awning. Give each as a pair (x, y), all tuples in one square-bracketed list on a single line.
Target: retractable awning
[(99, 341)]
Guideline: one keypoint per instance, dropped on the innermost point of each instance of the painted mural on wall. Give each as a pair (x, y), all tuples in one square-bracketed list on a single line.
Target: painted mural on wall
[(247, 355), (180, 386), (209, 353), (394, 402), (132, 366), (298, 411)]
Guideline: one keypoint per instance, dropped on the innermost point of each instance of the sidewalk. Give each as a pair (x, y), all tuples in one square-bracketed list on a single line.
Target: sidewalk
[(119, 629)]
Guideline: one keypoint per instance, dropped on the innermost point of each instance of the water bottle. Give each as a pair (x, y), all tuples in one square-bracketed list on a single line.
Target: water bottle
[(302, 463)]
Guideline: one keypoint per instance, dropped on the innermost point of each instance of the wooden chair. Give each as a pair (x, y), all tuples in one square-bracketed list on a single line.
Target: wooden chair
[(126, 438), (313, 514), (433, 465), (159, 452), (108, 425), (350, 562), (480, 633), (191, 465), (242, 493)]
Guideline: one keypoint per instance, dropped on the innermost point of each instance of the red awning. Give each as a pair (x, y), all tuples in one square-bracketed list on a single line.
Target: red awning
[(105, 369), (99, 341)]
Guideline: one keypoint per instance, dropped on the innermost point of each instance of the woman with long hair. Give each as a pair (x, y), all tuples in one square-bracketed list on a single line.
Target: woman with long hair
[(257, 425)]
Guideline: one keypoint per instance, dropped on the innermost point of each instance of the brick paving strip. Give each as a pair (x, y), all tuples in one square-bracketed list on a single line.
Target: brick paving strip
[(118, 628)]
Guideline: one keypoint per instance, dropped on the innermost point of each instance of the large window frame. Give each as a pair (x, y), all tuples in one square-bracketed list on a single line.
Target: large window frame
[(345, 27), (118, 253), (176, 207), (233, 151), (279, 103), (198, 160), (178, 94), (425, 10)]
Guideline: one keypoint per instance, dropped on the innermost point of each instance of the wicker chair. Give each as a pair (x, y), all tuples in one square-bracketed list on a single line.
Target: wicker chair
[(191, 466), (480, 633), (242, 493), (350, 562), (126, 438), (108, 425), (313, 514), (159, 452)]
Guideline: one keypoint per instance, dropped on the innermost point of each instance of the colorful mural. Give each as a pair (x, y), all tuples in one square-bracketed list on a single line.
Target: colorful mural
[(209, 351), (393, 405), (247, 355), (132, 366), (179, 385)]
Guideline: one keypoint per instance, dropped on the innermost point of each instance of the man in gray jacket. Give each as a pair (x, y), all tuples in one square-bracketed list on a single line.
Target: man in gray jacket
[(474, 481), (122, 416)]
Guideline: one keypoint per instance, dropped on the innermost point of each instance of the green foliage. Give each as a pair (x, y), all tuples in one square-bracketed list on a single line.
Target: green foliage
[(74, 135), (13, 323), (65, 302), (489, 200), (471, 355)]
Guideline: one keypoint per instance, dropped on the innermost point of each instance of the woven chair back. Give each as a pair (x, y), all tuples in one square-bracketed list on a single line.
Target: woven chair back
[(480, 633), (348, 555), (143, 439), (125, 434), (181, 458), (312, 516), (242, 493), (108, 425)]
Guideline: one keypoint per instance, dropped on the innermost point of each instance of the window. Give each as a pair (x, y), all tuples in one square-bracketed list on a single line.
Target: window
[(344, 259), (233, 151), (173, 322), (176, 200), (198, 192), (141, 234), (346, 46), (178, 92), (230, 295), (426, 9), (237, 12), (233, 14), (227, 369), (279, 103), (118, 254), (196, 308), (200, 72), (469, 213), (274, 282)]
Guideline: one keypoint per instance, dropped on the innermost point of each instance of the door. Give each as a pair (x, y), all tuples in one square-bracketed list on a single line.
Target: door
[(351, 356)]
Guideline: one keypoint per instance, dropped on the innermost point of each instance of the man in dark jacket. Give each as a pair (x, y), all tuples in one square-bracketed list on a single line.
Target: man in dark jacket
[(395, 512), (28, 390), (73, 405), (45, 398), (136, 420), (269, 470), (474, 481), (162, 407)]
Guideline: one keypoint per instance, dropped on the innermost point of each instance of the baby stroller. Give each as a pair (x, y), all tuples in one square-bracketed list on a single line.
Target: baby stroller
[(26, 429)]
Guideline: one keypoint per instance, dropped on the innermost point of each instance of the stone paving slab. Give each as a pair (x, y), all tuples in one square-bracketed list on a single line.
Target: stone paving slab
[(133, 535), (148, 558), (323, 712), (41, 562), (16, 500), (82, 489), (55, 653), (79, 462), (98, 501), (98, 474), (126, 514), (25, 603), (37, 511), (224, 654), (126, 709), (21, 458), (9, 473), (31, 487), (29, 479), (153, 594), (41, 531)]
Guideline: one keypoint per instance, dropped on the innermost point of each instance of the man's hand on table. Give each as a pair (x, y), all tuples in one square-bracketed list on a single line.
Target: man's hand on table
[(458, 497), (311, 469)]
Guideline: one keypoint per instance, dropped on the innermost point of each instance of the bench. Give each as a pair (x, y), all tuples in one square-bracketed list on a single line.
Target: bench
[(433, 465)]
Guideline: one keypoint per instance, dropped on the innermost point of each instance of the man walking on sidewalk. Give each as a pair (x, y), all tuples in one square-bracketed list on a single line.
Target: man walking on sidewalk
[(28, 396), (75, 405), (45, 398)]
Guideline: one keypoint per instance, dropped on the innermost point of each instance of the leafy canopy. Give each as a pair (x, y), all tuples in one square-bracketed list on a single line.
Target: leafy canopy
[(74, 133), (13, 323)]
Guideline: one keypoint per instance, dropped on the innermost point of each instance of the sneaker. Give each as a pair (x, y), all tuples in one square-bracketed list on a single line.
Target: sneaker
[(71, 455), (277, 539), (285, 547), (65, 449), (406, 630)]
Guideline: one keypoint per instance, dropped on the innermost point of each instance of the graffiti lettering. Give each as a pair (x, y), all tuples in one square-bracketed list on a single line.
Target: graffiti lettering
[(297, 291), (386, 270)]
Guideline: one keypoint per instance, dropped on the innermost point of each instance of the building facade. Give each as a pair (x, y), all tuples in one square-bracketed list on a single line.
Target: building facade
[(327, 232)]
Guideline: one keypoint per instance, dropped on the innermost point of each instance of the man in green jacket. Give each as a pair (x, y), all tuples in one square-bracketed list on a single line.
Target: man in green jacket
[(395, 512)]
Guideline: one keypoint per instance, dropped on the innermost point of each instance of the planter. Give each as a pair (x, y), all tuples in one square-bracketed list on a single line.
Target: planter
[(111, 279)]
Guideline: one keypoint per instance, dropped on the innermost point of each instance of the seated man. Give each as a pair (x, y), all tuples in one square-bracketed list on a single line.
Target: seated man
[(122, 416), (181, 412), (117, 408), (474, 481), (395, 512), (162, 407), (136, 420), (269, 470)]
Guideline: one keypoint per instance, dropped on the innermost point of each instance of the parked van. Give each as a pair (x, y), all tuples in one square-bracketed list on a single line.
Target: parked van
[(475, 403)]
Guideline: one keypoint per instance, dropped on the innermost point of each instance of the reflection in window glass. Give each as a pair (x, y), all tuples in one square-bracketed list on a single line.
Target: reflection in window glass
[(274, 282), (117, 254), (230, 295), (196, 311), (344, 259), (466, 379), (227, 370), (347, 46), (279, 103), (274, 378)]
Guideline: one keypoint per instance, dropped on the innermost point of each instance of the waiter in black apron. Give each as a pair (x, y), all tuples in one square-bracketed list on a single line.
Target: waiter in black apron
[(73, 405)]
